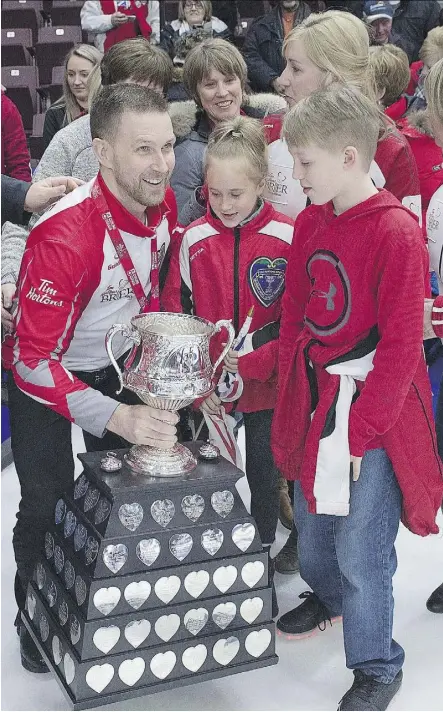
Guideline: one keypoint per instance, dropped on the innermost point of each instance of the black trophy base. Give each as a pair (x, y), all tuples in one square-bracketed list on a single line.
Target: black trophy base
[(106, 699)]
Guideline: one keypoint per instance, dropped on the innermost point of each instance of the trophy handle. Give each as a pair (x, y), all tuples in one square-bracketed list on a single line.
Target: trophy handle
[(224, 323), (127, 332)]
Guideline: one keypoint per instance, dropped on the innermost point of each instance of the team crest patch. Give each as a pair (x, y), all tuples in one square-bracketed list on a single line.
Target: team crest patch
[(267, 279)]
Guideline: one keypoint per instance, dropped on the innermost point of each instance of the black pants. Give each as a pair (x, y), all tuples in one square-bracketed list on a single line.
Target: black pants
[(261, 473), (42, 449)]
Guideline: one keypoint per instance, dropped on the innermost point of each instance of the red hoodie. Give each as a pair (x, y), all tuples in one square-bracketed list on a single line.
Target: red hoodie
[(15, 154), (221, 273), (348, 275)]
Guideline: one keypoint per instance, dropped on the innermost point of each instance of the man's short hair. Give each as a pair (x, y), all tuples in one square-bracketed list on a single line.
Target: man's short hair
[(212, 54), (114, 100), (139, 61), (332, 119), (390, 69)]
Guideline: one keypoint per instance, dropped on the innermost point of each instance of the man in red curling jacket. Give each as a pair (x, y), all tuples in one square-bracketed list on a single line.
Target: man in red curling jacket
[(96, 258)]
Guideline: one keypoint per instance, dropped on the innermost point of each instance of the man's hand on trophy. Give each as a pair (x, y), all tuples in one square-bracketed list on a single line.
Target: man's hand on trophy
[(212, 404), (143, 425)]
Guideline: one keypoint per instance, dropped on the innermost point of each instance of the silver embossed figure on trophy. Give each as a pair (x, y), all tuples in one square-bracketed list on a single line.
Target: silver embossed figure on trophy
[(168, 368)]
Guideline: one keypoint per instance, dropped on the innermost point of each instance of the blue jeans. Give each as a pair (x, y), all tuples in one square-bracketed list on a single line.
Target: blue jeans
[(349, 563)]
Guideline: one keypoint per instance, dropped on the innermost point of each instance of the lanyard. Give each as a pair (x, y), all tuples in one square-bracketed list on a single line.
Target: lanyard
[(147, 304)]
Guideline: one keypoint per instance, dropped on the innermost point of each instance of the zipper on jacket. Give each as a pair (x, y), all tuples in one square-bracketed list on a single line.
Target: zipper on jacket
[(236, 280)]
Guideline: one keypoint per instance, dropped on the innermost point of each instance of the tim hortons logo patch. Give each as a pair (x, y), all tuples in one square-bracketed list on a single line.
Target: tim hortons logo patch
[(44, 294), (267, 279)]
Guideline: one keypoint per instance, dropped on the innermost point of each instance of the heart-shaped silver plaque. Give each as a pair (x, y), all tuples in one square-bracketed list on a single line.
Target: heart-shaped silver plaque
[(131, 515), (130, 671), (252, 572), (193, 658), (81, 486), (70, 524), (162, 664), (162, 511), (31, 604), (211, 540), (57, 651), (224, 577), (63, 613), (44, 628), (74, 629), (225, 650), (60, 511), (257, 642), (148, 551), (80, 590), (222, 502), (195, 620), (180, 545), (243, 535), (40, 576), (51, 594), (59, 558), (69, 575), (251, 608), (115, 556), (80, 536), (102, 510), (193, 506), (106, 638), (137, 593), (224, 614), (99, 676), (196, 582), (91, 550), (167, 587), (49, 545), (69, 666), (106, 599), (136, 632), (167, 626), (91, 498)]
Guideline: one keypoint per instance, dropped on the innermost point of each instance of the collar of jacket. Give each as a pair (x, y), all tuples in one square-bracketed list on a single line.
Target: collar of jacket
[(251, 227)]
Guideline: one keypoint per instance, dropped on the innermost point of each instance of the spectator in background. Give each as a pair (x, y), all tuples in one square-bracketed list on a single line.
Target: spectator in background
[(79, 63), (430, 53), (111, 21), (413, 19), (390, 68), (354, 6), (15, 155), (263, 44), (379, 16), (194, 18)]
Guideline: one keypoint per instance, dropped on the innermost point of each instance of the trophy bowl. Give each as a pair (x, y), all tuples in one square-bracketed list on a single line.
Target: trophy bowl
[(168, 367)]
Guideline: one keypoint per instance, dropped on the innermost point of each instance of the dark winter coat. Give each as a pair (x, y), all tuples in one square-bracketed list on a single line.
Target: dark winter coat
[(413, 19)]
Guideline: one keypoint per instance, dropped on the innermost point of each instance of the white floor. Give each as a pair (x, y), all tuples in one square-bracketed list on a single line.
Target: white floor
[(311, 674)]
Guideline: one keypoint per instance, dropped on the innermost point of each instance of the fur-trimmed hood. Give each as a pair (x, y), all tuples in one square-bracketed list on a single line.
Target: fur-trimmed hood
[(419, 120), (184, 114)]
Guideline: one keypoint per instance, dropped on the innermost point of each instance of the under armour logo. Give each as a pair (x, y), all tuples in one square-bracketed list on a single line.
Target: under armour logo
[(329, 296)]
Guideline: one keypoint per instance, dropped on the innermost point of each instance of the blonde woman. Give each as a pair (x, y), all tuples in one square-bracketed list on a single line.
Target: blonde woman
[(326, 48), (79, 63), (431, 51), (194, 17)]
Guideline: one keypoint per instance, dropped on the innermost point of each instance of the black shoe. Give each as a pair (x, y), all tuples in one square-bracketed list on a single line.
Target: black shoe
[(306, 619), (367, 694), (286, 561), (435, 601), (31, 658)]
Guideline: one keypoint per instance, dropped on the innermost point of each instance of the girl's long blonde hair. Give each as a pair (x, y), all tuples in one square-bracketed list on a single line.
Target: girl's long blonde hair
[(434, 93), (68, 100), (242, 138)]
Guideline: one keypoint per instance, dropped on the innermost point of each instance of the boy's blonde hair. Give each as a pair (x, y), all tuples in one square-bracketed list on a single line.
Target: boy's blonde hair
[(434, 93), (334, 118), (432, 48), (212, 54), (207, 6), (242, 138), (390, 70), (338, 44)]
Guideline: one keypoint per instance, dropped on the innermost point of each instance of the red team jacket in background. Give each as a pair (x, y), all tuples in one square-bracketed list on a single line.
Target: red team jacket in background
[(347, 274), (220, 273), (15, 155), (72, 288), (130, 29)]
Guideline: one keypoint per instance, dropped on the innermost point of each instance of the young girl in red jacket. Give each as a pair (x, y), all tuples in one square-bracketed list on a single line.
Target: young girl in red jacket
[(353, 388), (231, 260)]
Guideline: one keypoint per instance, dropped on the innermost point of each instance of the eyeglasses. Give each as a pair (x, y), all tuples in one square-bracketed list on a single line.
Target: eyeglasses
[(189, 4)]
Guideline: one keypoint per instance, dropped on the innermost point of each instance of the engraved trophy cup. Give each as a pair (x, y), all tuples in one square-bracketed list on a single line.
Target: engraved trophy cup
[(168, 368)]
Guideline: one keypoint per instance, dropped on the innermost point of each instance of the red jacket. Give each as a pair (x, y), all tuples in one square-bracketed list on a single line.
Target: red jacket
[(393, 168), (347, 275), (15, 154), (129, 29), (220, 273)]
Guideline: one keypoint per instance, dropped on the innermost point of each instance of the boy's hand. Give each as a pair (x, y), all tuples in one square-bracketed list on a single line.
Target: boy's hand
[(231, 361), (211, 404), (356, 467)]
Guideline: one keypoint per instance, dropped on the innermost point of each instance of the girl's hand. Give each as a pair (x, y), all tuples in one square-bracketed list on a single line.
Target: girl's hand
[(356, 467), (231, 361), (211, 404)]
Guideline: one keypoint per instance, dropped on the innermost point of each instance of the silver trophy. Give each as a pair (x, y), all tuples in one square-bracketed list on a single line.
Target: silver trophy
[(168, 368)]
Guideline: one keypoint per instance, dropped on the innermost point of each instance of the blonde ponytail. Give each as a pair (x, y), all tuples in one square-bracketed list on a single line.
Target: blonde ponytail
[(244, 138)]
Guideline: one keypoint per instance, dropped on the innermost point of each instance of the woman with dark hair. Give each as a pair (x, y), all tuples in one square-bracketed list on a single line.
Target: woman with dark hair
[(79, 63), (194, 18)]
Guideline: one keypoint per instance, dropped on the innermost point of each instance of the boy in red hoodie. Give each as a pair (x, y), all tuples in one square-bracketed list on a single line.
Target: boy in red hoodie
[(353, 388)]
